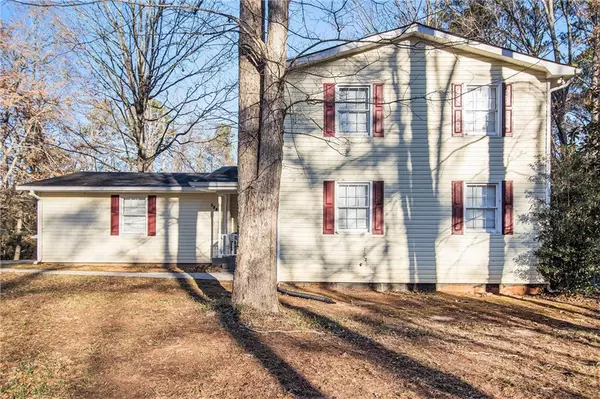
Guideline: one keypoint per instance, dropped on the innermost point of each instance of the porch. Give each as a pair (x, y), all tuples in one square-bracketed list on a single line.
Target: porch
[(225, 238)]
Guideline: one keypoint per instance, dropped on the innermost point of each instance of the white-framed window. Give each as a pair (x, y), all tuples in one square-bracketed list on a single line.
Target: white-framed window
[(134, 215), (353, 206), (353, 109), (482, 110), (482, 207)]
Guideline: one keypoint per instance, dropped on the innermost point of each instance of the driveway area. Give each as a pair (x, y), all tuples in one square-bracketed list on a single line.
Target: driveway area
[(68, 336)]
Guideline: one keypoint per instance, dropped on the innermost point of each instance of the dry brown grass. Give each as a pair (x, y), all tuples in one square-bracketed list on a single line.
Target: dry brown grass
[(119, 267), (98, 337)]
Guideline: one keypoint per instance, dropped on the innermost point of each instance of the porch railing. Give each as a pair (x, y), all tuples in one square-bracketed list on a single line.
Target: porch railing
[(228, 244)]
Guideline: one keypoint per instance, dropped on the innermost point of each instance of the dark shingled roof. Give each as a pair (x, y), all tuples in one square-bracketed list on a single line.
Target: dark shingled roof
[(135, 179)]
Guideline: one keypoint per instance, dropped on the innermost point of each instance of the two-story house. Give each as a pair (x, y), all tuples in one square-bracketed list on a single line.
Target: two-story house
[(407, 160)]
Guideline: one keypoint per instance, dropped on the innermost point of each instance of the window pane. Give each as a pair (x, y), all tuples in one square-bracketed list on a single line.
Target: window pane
[(475, 199), (351, 121), (361, 121), (361, 213), (343, 121), (492, 98), (469, 219), (491, 123), (351, 190), (491, 196), (490, 219), (361, 190), (351, 213), (468, 98), (480, 122), (352, 224), (343, 96), (361, 201), (361, 94), (478, 218)]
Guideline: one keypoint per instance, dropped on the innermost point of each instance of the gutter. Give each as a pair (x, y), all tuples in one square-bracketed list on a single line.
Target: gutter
[(39, 227), (195, 187)]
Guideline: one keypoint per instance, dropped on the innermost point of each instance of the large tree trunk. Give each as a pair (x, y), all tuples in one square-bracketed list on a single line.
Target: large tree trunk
[(252, 280), (261, 110)]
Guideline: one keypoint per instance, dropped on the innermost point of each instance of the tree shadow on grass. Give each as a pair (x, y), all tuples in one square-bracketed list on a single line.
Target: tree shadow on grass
[(25, 278), (594, 314), (213, 294), (426, 380), (514, 315)]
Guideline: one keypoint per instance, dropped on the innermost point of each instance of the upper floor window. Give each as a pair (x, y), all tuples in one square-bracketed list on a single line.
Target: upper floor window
[(481, 115), (353, 207), (133, 217), (482, 210), (353, 109)]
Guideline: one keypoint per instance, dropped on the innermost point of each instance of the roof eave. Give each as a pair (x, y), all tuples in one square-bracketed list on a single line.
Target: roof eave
[(196, 187), (552, 69)]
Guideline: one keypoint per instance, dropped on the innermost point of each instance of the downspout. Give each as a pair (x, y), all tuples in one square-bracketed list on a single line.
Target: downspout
[(549, 91), (39, 227)]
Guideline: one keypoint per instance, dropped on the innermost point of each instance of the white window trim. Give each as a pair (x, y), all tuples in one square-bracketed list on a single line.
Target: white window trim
[(499, 105), (122, 214), (338, 130), (369, 213), (498, 230)]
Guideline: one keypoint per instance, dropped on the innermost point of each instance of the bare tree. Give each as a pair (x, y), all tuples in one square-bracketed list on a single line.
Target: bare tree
[(35, 107), (157, 71), (205, 152)]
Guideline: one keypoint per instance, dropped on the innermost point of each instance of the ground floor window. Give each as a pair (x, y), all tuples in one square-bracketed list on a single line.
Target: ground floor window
[(482, 207), (353, 207), (133, 216)]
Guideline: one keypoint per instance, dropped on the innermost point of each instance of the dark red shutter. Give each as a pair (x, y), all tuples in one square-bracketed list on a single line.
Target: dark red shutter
[(329, 109), (328, 207), (457, 109), (507, 207), (377, 207), (152, 215), (378, 110), (114, 215), (457, 207), (507, 89)]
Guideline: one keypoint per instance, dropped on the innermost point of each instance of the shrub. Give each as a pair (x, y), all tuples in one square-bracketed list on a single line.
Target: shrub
[(568, 231)]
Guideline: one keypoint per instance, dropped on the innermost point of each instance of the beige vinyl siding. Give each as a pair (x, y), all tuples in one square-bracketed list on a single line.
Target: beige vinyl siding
[(76, 228), (417, 159)]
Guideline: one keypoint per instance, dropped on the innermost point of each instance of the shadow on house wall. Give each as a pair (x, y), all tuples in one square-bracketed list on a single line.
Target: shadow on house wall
[(419, 147)]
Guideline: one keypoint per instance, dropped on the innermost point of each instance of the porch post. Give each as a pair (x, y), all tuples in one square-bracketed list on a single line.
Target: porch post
[(220, 222)]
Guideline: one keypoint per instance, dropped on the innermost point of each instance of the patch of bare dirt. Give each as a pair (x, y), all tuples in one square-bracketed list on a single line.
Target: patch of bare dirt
[(70, 336)]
